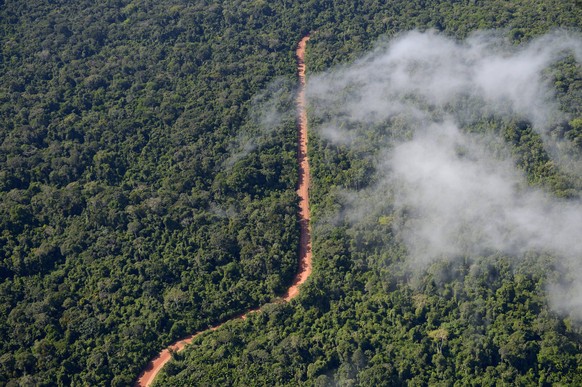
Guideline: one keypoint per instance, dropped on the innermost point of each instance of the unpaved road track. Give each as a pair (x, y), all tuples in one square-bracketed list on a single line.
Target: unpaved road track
[(304, 179), (150, 372)]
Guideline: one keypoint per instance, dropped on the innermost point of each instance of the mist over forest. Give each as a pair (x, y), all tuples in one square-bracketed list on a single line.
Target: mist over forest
[(455, 192), (148, 168)]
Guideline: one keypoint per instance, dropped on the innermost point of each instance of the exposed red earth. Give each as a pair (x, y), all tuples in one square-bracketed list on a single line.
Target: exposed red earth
[(304, 269), (150, 372)]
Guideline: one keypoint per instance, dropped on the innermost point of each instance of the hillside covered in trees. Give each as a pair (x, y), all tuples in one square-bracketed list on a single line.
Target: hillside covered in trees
[(147, 191)]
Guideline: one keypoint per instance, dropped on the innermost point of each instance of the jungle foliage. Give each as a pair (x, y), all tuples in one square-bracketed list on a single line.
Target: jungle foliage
[(133, 213)]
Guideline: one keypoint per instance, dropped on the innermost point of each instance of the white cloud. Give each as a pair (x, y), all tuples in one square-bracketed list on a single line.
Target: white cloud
[(461, 199)]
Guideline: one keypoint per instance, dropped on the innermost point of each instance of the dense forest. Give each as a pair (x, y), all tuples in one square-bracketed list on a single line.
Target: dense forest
[(147, 191)]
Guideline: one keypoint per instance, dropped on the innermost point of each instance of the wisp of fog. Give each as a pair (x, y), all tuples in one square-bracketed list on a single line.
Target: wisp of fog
[(462, 196)]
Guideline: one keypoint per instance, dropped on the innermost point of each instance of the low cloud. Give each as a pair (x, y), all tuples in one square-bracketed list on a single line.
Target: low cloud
[(439, 71), (463, 201), (269, 111), (460, 191)]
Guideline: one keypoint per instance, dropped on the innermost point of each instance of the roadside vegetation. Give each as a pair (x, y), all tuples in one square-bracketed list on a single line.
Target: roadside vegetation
[(133, 212)]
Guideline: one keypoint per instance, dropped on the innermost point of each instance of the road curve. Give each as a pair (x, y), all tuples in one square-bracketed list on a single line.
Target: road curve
[(152, 369)]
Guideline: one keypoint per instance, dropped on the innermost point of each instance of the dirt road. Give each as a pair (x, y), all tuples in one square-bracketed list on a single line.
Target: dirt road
[(304, 179), (150, 372)]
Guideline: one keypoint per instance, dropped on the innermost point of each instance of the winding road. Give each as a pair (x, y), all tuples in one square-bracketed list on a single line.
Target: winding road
[(152, 369)]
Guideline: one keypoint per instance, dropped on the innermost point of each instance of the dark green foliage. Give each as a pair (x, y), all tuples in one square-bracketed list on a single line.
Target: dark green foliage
[(362, 319), (123, 223), (130, 219), (497, 329)]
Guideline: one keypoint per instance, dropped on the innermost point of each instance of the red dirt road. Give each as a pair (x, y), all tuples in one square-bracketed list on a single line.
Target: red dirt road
[(150, 372), (304, 179)]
